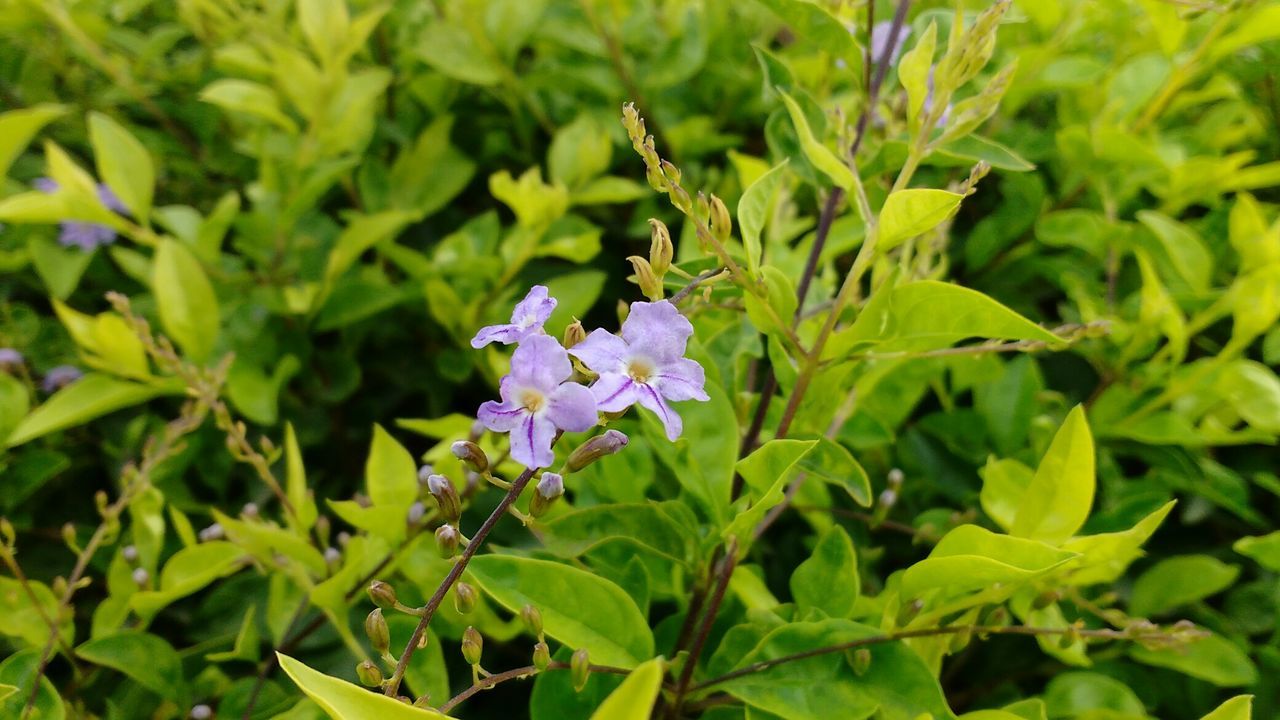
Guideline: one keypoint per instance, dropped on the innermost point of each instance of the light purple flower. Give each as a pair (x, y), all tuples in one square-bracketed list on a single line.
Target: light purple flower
[(536, 401), (526, 320), (60, 377), (880, 41), (646, 365), (10, 359), (84, 235)]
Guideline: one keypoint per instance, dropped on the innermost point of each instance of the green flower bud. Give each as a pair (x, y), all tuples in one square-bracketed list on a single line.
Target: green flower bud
[(549, 489), (472, 644), (471, 455), (541, 656), (580, 669), (721, 221), (648, 281), (574, 333), (660, 248), (375, 626), (445, 496), (369, 674), (464, 598), (532, 618), (447, 541), (861, 661), (607, 443), (383, 595)]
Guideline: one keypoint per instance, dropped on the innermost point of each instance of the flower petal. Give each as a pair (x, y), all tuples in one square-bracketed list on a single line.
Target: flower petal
[(614, 392), (531, 441), (658, 329), (500, 417), (505, 334), (649, 398), (534, 309), (572, 407), (683, 379), (602, 351), (540, 362)]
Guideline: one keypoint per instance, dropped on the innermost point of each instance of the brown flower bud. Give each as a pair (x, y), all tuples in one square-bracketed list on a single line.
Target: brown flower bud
[(574, 334), (445, 496), (472, 645), (464, 598), (375, 626), (369, 674), (549, 489), (721, 221), (471, 455), (447, 541), (383, 595), (606, 443), (580, 668), (649, 283)]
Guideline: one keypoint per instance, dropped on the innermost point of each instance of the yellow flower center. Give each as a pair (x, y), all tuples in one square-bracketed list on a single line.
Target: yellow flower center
[(640, 369), (532, 399)]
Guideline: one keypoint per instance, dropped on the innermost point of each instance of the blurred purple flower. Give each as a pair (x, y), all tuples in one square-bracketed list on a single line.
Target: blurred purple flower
[(880, 41), (10, 359), (60, 377), (526, 319), (84, 235), (928, 103), (536, 401), (646, 365)]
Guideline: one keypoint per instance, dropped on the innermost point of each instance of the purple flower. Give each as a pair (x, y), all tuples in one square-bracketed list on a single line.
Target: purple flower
[(536, 401), (646, 365), (84, 235), (880, 41), (60, 377), (10, 359), (526, 320)]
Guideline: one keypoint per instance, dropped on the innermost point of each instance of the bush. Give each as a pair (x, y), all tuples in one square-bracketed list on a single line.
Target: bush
[(950, 334)]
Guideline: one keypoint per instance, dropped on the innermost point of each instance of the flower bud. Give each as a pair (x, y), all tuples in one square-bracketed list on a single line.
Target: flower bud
[(322, 527), (383, 595), (549, 489), (532, 618), (649, 283), (861, 661), (471, 455), (416, 511), (201, 712), (130, 553), (721, 221), (7, 532), (447, 541), (425, 472), (472, 644), (369, 674), (671, 172), (574, 333), (250, 510), (446, 497), (332, 556), (464, 598), (606, 443), (375, 626), (141, 576), (541, 656), (580, 668), (1045, 599), (660, 248), (895, 478), (10, 360), (213, 532)]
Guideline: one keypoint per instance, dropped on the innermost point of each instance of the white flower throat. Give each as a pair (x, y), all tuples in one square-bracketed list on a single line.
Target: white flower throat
[(640, 369), (532, 399)]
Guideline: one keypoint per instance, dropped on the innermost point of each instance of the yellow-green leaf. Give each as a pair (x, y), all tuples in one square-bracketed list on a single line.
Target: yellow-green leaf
[(817, 153), (18, 127), (1058, 500), (1239, 707), (123, 164), (912, 212), (634, 698), (188, 307), (343, 701)]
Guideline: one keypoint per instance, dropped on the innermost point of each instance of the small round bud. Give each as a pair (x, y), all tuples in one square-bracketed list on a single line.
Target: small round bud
[(861, 661), (7, 531), (895, 478), (604, 444), (580, 668), (213, 532), (416, 512), (201, 712), (332, 555), (472, 645), (541, 656), (369, 674), (574, 333), (464, 598), (141, 576), (888, 498), (549, 489), (447, 541), (532, 618), (445, 496), (129, 553), (343, 537), (471, 455), (375, 626), (383, 595), (250, 510), (425, 472), (69, 535)]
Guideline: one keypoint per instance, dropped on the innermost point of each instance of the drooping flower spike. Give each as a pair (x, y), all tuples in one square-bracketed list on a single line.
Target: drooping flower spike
[(646, 365), (526, 319), (536, 401)]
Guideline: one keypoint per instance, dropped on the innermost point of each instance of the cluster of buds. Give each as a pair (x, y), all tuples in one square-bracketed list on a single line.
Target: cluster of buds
[(889, 496), (532, 619), (970, 49), (650, 272), (662, 175)]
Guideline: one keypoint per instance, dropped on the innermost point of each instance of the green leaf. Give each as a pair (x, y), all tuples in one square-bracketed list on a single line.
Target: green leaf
[(59, 267), (246, 643), (645, 527), (362, 233), (15, 401), (266, 540), (248, 98), (1213, 659), (913, 72), (123, 164), (22, 618), (453, 51), (1058, 500), (19, 670), (970, 558), (18, 127), (88, 398), (1105, 557), (391, 477), (1004, 483), (187, 305), (754, 209), (1177, 581), (1239, 707), (1075, 694), (426, 176), (579, 152), (817, 153), (187, 571), (828, 579), (580, 609), (1265, 549), (148, 659), (634, 698), (833, 464), (1180, 250), (325, 25), (912, 212), (295, 484), (772, 461), (813, 23), (342, 700)]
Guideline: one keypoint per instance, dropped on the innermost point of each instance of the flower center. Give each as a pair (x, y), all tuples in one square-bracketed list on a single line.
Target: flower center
[(528, 321), (532, 399), (640, 369)]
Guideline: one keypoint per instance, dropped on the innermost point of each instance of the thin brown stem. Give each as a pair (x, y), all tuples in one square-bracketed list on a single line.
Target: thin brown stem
[(727, 565), (518, 674), (702, 277)]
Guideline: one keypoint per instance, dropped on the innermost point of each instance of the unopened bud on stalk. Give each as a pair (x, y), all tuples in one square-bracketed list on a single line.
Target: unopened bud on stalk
[(606, 443), (201, 712), (541, 656), (130, 553), (141, 576), (472, 645), (574, 334), (375, 626), (471, 455), (383, 595), (532, 618), (861, 661), (445, 496), (7, 531), (69, 537), (211, 533), (447, 541), (332, 556), (649, 283), (250, 510), (580, 668), (464, 598), (549, 489), (721, 221), (416, 511), (369, 674), (661, 250)]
